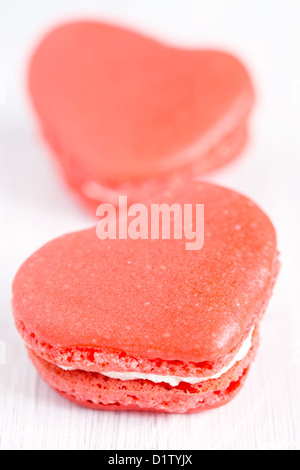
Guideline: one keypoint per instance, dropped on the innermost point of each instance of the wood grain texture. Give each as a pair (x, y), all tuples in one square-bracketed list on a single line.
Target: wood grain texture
[(35, 207)]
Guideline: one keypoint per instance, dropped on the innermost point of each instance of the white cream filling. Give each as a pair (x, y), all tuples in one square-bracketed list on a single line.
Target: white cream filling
[(175, 380)]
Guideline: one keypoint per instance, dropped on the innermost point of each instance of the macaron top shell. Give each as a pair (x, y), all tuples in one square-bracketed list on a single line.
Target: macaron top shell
[(125, 106), (154, 298)]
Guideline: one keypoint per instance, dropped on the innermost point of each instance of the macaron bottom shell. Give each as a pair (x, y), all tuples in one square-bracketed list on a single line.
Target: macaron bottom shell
[(94, 390), (93, 192)]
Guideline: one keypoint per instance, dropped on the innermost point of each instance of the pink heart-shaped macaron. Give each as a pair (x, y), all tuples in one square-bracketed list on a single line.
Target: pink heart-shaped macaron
[(127, 114), (148, 324)]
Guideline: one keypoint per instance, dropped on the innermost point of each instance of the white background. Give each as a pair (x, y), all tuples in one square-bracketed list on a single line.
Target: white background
[(35, 207)]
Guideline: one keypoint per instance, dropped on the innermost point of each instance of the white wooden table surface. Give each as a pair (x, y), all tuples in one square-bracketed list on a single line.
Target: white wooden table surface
[(35, 207)]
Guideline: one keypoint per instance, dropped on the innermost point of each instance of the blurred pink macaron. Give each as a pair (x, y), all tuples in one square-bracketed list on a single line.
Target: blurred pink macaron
[(126, 114)]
